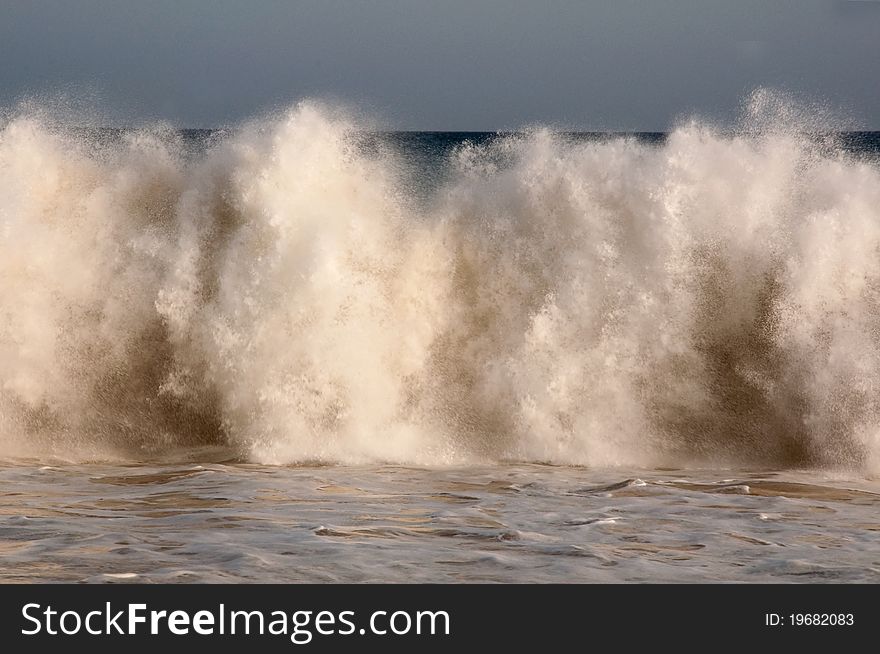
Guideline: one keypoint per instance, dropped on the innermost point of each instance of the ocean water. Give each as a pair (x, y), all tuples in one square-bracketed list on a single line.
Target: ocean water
[(521, 523), (307, 349)]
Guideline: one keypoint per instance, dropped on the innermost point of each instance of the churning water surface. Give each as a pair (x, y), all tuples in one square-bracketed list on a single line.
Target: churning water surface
[(536, 356)]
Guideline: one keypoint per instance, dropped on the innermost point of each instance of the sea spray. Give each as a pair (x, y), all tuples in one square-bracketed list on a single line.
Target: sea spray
[(289, 295)]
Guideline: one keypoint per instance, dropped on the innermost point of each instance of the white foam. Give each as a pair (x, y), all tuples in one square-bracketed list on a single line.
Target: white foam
[(714, 297)]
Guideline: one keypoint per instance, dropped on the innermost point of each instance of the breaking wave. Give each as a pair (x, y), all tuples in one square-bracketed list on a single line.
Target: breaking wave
[(288, 293)]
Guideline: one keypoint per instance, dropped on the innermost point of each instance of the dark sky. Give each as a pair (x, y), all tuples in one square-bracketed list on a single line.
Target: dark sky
[(443, 64)]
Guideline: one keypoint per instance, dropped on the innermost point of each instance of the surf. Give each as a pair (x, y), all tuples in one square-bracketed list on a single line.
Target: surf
[(294, 294)]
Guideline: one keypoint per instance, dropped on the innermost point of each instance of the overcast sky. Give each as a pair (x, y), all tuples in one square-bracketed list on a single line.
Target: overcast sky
[(443, 64)]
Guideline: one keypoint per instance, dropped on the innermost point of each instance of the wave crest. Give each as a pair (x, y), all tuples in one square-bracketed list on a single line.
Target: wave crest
[(712, 298)]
